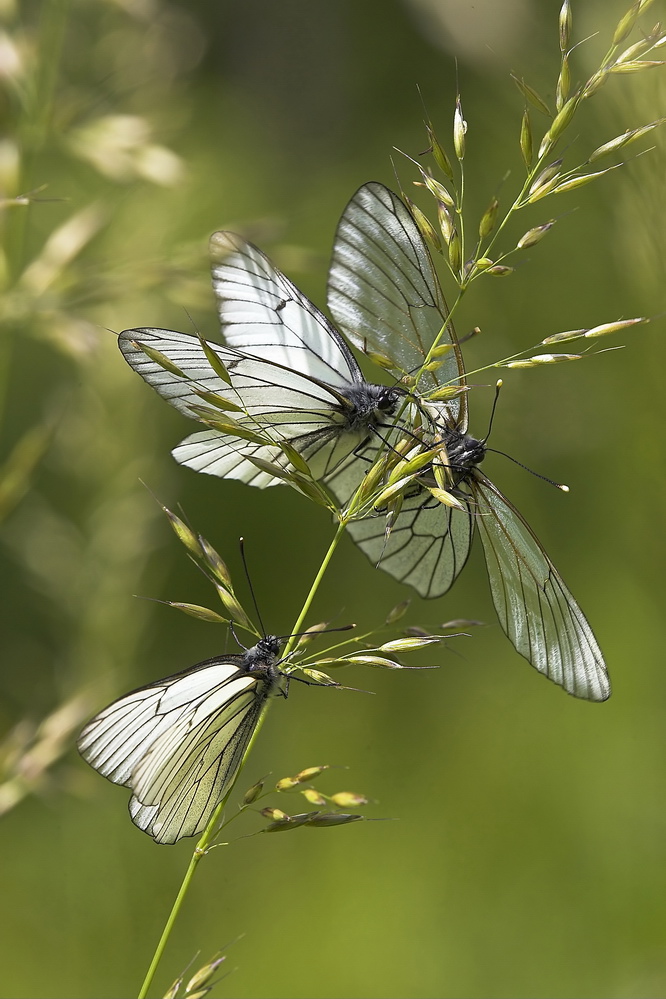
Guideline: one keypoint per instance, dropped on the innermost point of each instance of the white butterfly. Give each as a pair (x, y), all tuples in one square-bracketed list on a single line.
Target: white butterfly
[(384, 295), (291, 372), (178, 743)]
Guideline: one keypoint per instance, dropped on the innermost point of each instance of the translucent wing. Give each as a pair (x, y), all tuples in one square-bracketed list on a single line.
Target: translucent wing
[(383, 291), (428, 543), (535, 608), (272, 393), (427, 547), (178, 743), (218, 454), (262, 313), (284, 403)]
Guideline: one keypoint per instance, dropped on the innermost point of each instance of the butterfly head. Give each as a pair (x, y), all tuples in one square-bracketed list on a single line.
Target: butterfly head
[(367, 404), (387, 399), (264, 653), (464, 451)]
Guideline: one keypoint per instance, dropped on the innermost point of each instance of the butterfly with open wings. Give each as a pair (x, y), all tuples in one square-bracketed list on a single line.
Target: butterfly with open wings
[(291, 374), (384, 295)]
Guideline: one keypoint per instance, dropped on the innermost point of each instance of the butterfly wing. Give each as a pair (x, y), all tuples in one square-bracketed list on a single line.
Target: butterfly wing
[(534, 606), (384, 294), (279, 401), (262, 313), (427, 545), (178, 743)]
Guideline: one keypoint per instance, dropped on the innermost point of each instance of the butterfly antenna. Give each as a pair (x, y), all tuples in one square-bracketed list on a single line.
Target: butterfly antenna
[(552, 482), (498, 388), (249, 583), (325, 631), (468, 336), (558, 485)]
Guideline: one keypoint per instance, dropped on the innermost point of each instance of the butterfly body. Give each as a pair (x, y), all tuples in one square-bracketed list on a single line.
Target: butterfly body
[(178, 743)]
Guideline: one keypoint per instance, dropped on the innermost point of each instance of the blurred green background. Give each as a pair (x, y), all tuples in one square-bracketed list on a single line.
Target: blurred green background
[(527, 858)]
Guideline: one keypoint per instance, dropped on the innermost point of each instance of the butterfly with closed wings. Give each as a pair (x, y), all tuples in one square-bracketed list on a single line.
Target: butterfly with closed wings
[(178, 743), (290, 373), (384, 295)]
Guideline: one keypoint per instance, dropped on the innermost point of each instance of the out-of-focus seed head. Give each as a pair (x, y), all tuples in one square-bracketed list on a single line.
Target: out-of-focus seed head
[(275, 814), (636, 66), (533, 362), (311, 633), (319, 677), (332, 819), (530, 94), (215, 563), (185, 535), (173, 989), (565, 24), (439, 153), (195, 610), (627, 22), (314, 797), (230, 602), (253, 792), (574, 182), (286, 784), (563, 84), (445, 497), (214, 359), (310, 773), (203, 976), (425, 226), (488, 219), (348, 799), (526, 139), (459, 130), (445, 222), (398, 612), (455, 252), (534, 236)]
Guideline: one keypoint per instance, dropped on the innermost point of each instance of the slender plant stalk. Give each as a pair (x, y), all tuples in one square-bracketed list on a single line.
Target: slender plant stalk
[(315, 586), (209, 832)]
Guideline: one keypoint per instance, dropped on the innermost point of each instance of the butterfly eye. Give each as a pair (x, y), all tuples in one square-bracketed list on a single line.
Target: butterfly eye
[(386, 402)]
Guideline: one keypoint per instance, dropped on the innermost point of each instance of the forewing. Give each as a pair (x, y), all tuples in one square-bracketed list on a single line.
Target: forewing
[(178, 743), (285, 404), (264, 314), (269, 392), (534, 606), (383, 291)]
